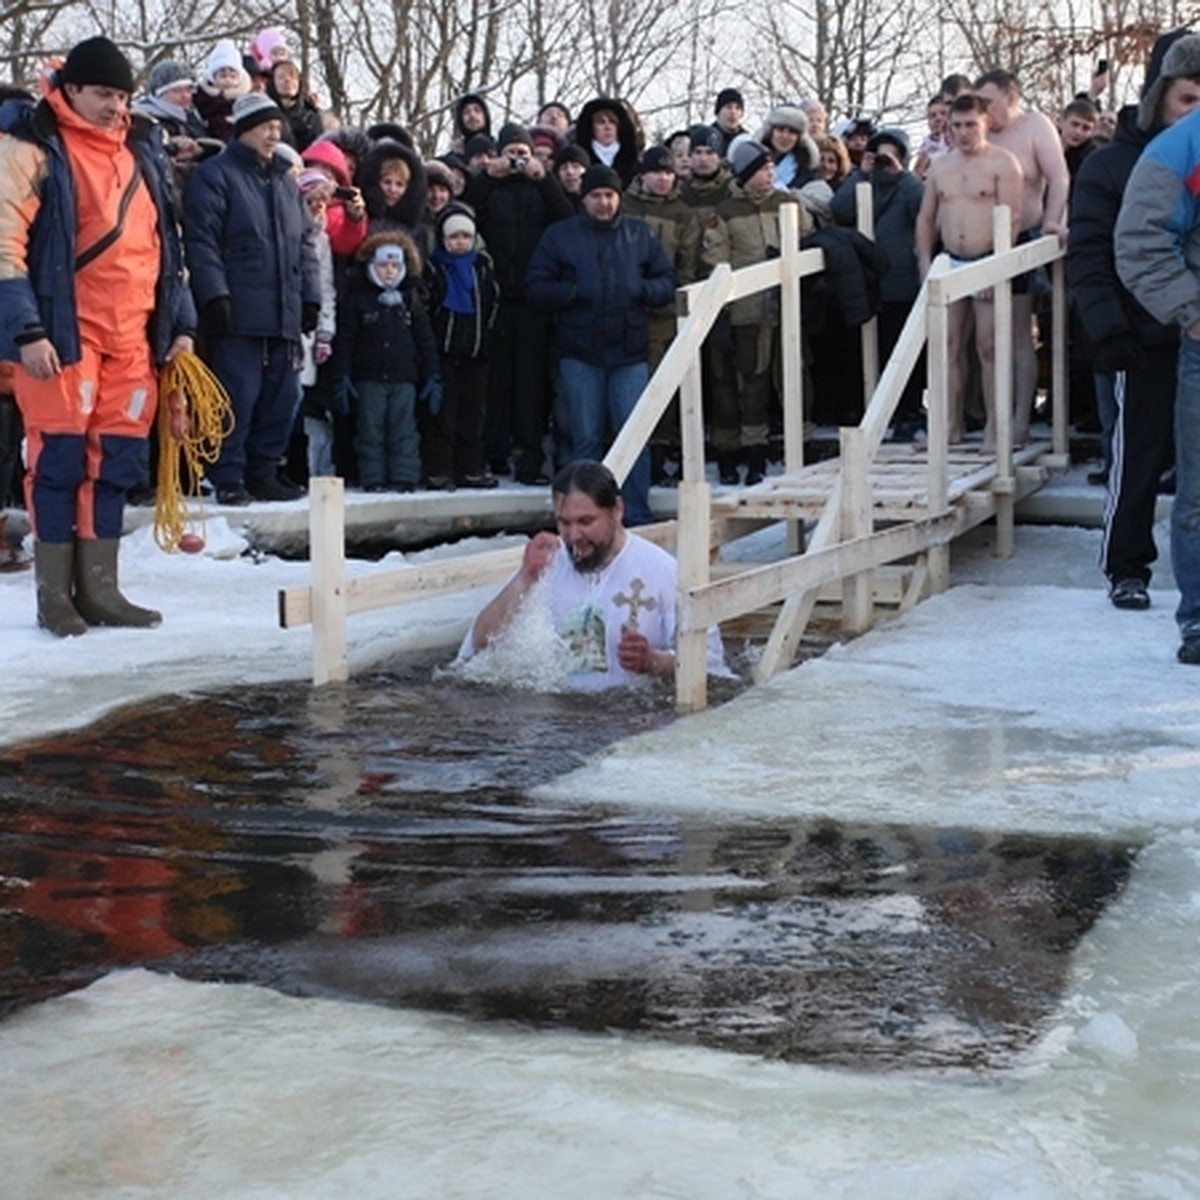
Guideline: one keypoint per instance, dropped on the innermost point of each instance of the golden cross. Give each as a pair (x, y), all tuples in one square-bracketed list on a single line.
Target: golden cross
[(635, 602)]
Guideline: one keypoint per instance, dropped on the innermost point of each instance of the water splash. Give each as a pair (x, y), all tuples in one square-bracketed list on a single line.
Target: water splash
[(527, 655)]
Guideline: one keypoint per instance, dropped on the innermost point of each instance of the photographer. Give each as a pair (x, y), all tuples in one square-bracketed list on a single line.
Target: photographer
[(896, 195), (516, 200)]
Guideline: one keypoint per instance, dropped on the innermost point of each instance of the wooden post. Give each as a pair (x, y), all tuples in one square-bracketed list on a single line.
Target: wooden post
[(939, 419), (865, 211), (327, 550), (858, 603), (790, 335), (692, 550), (1003, 387), (1058, 360)]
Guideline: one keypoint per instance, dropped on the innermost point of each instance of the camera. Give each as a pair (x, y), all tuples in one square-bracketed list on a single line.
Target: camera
[(516, 162), (344, 193)]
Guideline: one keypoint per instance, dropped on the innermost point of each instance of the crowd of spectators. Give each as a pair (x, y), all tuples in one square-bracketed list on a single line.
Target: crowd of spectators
[(410, 321)]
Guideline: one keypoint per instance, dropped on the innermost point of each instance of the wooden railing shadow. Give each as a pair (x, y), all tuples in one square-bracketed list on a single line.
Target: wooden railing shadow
[(843, 545)]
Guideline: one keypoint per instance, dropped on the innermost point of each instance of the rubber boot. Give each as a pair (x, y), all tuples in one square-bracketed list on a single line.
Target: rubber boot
[(756, 464), (97, 597), (53, 564)]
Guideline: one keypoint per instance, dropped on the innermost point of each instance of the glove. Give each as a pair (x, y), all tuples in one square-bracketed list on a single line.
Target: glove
[(310, 316), (216, 317), (1119, 353), (431, 395)]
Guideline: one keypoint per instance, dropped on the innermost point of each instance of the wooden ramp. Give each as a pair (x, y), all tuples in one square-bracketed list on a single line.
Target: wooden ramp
[(849, 519)]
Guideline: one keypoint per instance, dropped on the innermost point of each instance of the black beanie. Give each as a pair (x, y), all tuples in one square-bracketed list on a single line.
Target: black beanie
[(97, 62), (599, 176), (729, 96), (513, 134), (658, 158)]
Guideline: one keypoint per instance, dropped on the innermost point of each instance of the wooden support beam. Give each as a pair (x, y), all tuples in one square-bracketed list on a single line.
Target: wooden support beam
[(1004, 386), (327, 549), (858, 610), (691, 644), (790, 337), (865, 214), (1058, 361)]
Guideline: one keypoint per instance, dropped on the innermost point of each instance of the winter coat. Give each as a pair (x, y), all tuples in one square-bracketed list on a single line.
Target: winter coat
[(512, 212), (385, 343), (464, 336), (854, 267), (37, 235), (676, 226), (628, 136), (249, 237), (1158, 228), (704, 195), (302, 120), (216, 108), (600, 279), (744, 230), (1105, 306), (895, 202)]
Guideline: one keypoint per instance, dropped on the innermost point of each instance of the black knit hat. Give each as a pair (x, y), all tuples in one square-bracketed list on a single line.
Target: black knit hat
[(705, 137), (729, 96), (657, 158), (98, 62), (599, 176), (513, 134), (572, 153), (746, 157)]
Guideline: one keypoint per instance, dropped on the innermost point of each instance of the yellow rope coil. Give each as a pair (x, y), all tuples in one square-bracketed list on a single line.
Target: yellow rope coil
[(194, 418)]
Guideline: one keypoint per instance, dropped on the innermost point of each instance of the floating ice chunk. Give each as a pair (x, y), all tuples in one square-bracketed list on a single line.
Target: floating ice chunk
[(1108, 1034)]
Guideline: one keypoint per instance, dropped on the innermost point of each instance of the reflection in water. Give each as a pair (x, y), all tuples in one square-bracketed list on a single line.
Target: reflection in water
[(377, 841)]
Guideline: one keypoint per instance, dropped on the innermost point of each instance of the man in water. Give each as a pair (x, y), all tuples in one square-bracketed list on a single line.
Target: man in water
[(610, 593), (961, 192)]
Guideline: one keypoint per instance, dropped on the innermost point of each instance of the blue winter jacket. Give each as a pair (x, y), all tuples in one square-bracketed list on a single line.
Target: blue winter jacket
[(249, 237), (600, 279), (45, 297)]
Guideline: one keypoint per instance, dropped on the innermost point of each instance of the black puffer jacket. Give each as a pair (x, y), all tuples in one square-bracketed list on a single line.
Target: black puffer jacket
[(512, 213), (854, 266), (1105, 306)]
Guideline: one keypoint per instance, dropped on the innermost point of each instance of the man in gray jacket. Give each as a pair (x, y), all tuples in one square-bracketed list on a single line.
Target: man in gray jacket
[(1158, 260)]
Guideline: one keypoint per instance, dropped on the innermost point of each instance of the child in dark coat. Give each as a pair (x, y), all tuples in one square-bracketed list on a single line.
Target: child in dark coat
[(463, 305), (386, 351)]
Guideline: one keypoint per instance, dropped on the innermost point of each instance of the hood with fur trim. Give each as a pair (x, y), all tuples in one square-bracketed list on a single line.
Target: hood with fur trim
[(629, 134), (408, 209), (393, 237)]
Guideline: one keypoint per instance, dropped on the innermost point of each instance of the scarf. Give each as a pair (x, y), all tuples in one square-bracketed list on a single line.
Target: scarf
[(607, 154), (460, 280)]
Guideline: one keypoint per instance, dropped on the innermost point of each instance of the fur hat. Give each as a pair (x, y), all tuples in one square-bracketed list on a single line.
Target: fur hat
[(438, 172), (705, 137), (657, 158), (729, 95), (252, 110), (746, 156), (98, 62), (166, 75), (599, 176), (1181, 61), (224, 55), (392, 237), (790, 116), (391, 130)]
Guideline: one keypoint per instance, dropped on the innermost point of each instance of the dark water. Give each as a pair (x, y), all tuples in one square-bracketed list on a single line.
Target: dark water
[(378, 842)]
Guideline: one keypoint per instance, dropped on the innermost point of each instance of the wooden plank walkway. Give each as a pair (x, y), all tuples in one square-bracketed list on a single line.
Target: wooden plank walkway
[(898, 478)]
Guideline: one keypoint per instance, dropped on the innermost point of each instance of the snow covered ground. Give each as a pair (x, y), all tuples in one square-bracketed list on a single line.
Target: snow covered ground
[(1020, 700)]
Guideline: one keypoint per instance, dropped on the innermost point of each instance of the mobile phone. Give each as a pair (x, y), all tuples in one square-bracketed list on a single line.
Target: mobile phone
[(344, 193), (1102, 67)]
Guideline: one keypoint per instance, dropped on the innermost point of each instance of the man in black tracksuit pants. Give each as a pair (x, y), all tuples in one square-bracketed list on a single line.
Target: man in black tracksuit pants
[(1127, 341)]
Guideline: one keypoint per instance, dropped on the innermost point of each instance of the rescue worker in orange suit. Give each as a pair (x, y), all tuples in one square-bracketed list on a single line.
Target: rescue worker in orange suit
[(93, 299)]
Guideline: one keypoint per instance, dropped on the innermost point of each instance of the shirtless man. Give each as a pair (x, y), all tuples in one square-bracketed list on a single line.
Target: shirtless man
[(1032, 138), (961, 191)]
